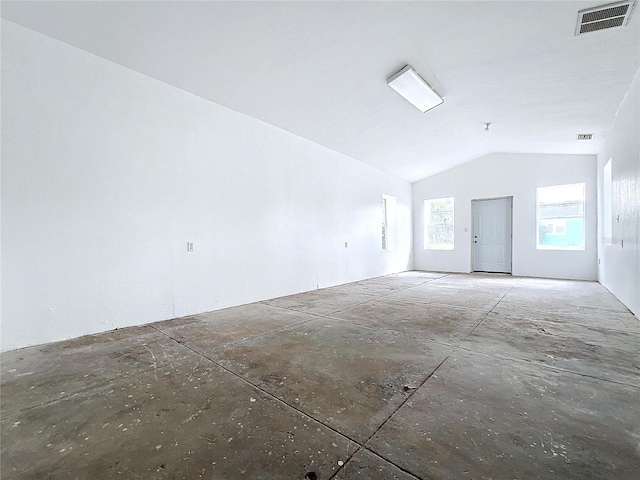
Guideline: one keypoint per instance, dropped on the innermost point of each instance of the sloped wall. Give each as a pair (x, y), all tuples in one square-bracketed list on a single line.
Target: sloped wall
[(107, 174)]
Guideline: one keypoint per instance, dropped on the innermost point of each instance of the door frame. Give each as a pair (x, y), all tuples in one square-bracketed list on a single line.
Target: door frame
[(473, 224)]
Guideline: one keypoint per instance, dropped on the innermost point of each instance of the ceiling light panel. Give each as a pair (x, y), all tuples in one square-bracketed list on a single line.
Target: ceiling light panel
[(414, 89)]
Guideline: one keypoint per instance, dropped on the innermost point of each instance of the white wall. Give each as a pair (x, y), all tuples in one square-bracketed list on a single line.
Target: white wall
[(502, 175), (619, 268), (107, 173)]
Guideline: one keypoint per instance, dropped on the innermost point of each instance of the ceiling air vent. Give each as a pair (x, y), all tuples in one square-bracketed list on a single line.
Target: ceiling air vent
[(607, 16), (584, 136)]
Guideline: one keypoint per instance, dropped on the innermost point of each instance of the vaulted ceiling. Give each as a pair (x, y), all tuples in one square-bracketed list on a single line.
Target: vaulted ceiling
[(319, 69)]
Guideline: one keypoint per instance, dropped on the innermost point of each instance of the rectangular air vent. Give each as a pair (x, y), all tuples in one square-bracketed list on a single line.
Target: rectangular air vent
[(584, 136), (607, 16)]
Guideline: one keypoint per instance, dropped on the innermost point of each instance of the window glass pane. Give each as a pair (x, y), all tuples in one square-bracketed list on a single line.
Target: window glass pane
[(561, 217), (607, 204), (384, 223), (438, 224), (389, 223)]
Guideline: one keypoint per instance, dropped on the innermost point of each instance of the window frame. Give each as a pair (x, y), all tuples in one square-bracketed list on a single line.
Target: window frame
[(389, 213), (555, 220), (385, 224), (426, 215), (607, 202)]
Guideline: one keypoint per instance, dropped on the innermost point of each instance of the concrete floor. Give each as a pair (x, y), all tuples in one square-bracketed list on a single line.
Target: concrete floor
[(415, 375)]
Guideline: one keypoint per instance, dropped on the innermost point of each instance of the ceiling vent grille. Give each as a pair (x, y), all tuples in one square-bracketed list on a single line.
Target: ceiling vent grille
[(584, 136), (606, 16)]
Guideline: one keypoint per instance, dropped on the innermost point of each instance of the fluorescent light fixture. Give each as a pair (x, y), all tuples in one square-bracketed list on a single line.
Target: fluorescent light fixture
[(414, 89)]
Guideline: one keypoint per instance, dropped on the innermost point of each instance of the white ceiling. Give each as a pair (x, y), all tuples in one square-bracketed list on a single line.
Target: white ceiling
[(319, 69)]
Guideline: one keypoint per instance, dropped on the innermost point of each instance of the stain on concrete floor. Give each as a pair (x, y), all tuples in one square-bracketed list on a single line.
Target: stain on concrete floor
[(415, 375)]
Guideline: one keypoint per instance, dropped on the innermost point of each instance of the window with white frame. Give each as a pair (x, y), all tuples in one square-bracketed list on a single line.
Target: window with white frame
[(389, 222), (438, 224), (560, 217), (607, 204), (385, 223)]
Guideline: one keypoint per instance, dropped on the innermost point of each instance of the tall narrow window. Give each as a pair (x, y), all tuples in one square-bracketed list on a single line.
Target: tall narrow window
[(385, 224), (560, 212), (389, 222), (438, 224), (607, 206)]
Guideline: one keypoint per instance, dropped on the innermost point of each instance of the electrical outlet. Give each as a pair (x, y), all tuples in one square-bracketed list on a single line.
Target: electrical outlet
[(189, 246), (346, 244)]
